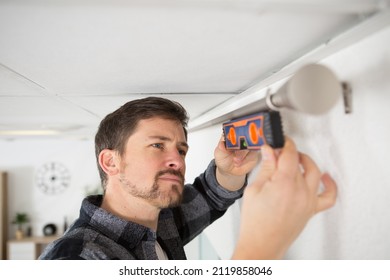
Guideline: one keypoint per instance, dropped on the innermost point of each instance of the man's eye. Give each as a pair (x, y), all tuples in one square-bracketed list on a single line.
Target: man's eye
[(158, 145), (183, 152)]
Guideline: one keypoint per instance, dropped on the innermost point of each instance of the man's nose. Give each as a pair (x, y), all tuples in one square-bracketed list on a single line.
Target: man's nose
[(175, 160)]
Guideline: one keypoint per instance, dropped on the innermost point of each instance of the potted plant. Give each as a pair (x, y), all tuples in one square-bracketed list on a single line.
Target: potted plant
[(20, 219)]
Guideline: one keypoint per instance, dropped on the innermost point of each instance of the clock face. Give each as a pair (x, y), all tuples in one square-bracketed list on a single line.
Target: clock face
[(53, 178)]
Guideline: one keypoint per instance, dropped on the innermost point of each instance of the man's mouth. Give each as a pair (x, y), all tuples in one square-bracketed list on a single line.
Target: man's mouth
[(172, 176)]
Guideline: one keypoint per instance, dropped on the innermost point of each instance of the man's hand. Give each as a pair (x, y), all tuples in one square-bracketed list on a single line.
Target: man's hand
[(233, 166), (280, 201)]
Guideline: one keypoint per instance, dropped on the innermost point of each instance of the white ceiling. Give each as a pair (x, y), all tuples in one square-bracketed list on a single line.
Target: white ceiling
[(65, 64)]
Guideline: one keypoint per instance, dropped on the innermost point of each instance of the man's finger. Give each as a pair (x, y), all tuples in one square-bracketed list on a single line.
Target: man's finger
[(311, 172), (267, 165), (328, 197), (288, 162), (240, 155)]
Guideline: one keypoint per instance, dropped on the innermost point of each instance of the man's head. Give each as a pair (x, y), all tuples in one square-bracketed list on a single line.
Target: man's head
[(116, 128)]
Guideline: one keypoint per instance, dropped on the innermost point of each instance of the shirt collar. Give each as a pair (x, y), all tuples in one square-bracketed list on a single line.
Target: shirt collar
[(127, 233)]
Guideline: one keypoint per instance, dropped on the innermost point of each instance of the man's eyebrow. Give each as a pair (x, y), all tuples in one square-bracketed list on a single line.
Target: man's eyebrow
[(164, 138)]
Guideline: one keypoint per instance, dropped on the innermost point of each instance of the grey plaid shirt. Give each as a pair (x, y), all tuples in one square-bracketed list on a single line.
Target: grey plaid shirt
[(98, 234)]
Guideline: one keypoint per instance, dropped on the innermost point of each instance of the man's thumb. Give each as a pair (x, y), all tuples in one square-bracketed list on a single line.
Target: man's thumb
[(267, 165)]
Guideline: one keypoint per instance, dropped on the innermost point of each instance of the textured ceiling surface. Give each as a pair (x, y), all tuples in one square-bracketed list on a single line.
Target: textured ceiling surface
[(65, 64)]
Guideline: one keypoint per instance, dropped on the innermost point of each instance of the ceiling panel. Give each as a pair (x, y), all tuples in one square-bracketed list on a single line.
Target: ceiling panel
[(196, 104), (37, 112), (143, 48), (12, 83)]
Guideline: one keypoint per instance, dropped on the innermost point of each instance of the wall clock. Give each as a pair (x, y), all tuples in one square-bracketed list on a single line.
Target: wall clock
[(53, 178)]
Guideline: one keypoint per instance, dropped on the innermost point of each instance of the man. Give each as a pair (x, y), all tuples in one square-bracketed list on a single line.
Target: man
[(146, 211)]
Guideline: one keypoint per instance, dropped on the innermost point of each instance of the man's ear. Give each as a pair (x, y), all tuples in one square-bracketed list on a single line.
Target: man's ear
[(109, 162)]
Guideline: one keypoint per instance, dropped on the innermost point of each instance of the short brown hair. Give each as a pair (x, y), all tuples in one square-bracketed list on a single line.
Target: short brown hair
[(116, 128)]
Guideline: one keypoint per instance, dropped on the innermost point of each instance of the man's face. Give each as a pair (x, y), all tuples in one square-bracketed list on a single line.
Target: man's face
[(153, 166)]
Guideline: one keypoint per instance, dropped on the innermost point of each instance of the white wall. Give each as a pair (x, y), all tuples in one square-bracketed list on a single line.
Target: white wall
[(22, 158), (352, 148)]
